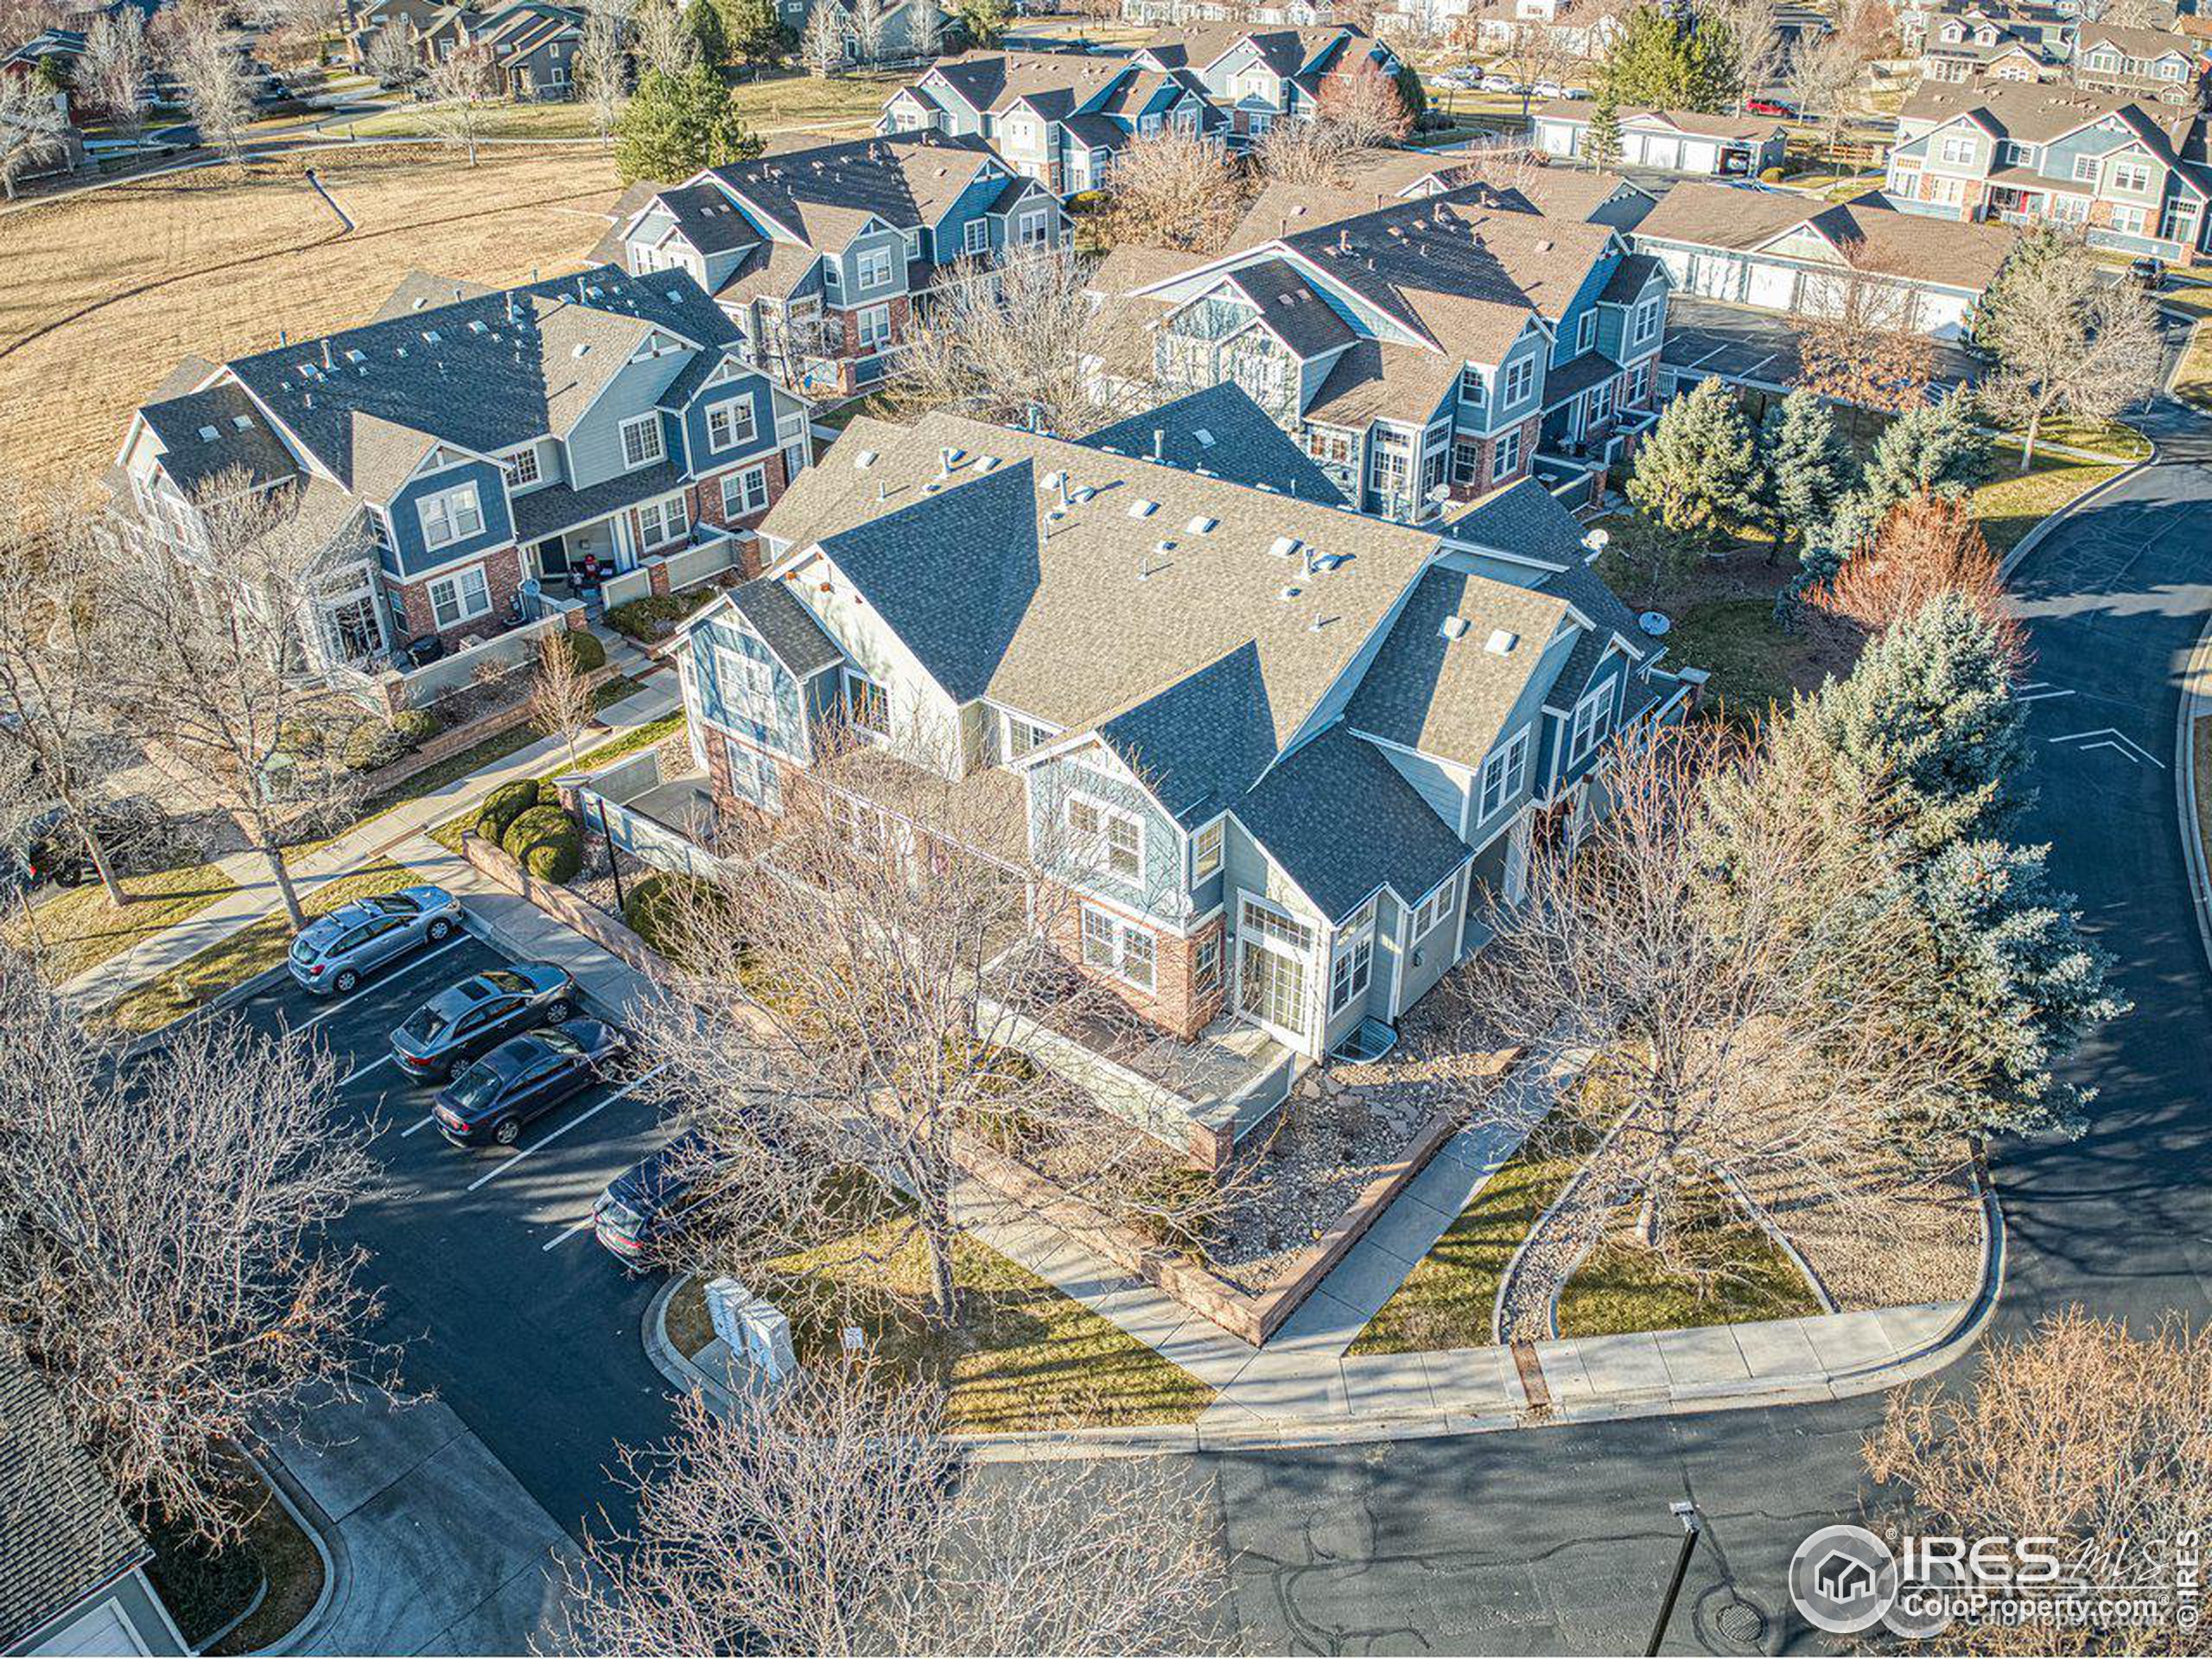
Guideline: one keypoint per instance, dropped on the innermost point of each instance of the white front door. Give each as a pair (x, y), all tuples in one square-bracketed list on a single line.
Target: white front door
[(1515, 882), (1275, 974)]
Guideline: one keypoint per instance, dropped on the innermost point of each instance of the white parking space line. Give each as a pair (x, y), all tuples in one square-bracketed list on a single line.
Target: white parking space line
[(416, 1125), (462, 936), (363, 1070), (581, 1117), (567, 1233)]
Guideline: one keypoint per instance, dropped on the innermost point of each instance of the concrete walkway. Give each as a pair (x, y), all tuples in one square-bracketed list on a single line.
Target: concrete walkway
[(256, 894), (432, 1546)]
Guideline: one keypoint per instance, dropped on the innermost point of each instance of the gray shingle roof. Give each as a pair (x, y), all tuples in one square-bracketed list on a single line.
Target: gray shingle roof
[(1630, 278), (1914, 246), (425, 290), (1291, 307), (1342, 821), (62, 1533), (823, 194), (555, 507), (788, 627), (486, 388), (1246, 447), (241, 440)]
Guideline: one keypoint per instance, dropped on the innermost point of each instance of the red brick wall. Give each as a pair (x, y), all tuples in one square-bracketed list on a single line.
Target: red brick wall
[(1485, 477), (707, 496), (1175, 1002), (841, 329), (502, 575)]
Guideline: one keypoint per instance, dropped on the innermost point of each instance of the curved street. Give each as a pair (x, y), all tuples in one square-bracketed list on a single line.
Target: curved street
[(1562, 1539)]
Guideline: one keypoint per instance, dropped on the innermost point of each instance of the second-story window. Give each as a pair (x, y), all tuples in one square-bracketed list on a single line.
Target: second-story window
[(641, 442), (1504, 773), (874, 267), (1206, 851), (1647, 322), (522, 469), (1029, 229), (976, 236), (730, 424), (866, 706), (1585, 333), (1958, 152), (1593, 718), (2131, 176), (450, 516), (1519, 379), (1470, 386), (1112, 841)]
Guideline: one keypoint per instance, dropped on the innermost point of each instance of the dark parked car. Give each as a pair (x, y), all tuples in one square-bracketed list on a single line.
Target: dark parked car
[(334, 952), (654, 1202), (2147, 273), (132, 832), (523, 1078), (442, 1036)]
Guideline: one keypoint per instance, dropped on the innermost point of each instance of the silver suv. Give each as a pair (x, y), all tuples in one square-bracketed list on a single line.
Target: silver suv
[(335, 952)]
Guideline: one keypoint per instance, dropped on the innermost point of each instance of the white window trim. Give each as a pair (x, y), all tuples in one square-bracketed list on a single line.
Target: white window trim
[(1587, 734), (1100, 856), (1505, 458), (1520, 379), (1586, 332), (867, 270), (1203, 863), (659, 451), (726, 412), (446, 508), (976, 236), (748, 481), (665, 510), (1503, 774), (1354, 948), (1119, 932), (515, 464), (883, 695), (873, 328), (466, 608)]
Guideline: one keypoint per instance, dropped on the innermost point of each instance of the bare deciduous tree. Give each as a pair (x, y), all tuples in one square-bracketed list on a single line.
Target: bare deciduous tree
[(869, 20), (928, 23), (903, 948), (838, 1518), (462, 85), (1824, 77), (561, 696), (34, 128), (53, 707), (1858, 339), (822, 43), (1739, 981), (1926, 546), (1754, 27), (2066, 339), (164, 1256), (207, 65), (391, 56), (1022, 341), (1364, 111), (602, 61), (115, 68), (1533, 51), (2082, 1433), (1175, 189), (1309, 154), (206, 648), (661, 40)]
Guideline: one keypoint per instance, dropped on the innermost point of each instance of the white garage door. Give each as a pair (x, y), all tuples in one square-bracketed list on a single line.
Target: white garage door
[(1943, 315), (1700, 158), (1714, 277), (1554, 138), (1773, 287), (101, 1629), (1662, 152)]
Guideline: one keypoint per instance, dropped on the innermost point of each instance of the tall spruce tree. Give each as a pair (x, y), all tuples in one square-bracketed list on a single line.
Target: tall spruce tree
[(750, 31), (1663, 61), (1809, 467), (1698, 473), (1931, 448), (1602, 148), (703, 18), (676, 124)]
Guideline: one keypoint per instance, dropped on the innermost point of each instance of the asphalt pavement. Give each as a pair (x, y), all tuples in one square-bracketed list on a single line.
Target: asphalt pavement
[(1561, 1539), (511, 1313)]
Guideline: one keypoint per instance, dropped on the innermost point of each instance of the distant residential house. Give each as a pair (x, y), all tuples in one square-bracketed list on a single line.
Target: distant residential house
[(1294, 14), (2143, 62), (1283, 772), (2123, 172), (1781, 251), (62, 47), (1060, 117), (411, 17), (470, 446), (820, 256), (533, 45), (1961, 41), (1422, 351), (1557, 192), (1672, 140), (72, 1568), (910, 28), (1260, 76)]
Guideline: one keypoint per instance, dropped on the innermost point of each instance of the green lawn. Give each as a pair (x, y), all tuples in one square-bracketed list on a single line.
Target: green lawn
[(2013, 503), (1448, 1299), (448, 834), (1723, 1270), (254, 949), (1753, 663), (1025, 1358), (79, 928), (2193, 380)]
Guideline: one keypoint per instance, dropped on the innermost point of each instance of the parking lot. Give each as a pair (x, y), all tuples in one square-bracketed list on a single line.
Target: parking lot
[(509, 1310)]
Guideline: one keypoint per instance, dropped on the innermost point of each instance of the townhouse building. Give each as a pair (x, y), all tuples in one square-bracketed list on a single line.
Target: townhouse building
[(468, 447), (1296, 14), (1260, 76), (1586, 194), (2140, 62), (1424, 351), (820, 256), (1778, 250), (1283, 756), (1674, 140), (1059, 118), (1963, 40), (2122, 171), (532, 45)]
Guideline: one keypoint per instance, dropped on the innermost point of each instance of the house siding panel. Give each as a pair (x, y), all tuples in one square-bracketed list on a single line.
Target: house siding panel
[(412, 555), (595, 446), (776, 725)]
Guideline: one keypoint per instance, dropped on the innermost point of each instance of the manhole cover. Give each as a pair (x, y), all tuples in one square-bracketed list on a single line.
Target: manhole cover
[(1741, 1622)]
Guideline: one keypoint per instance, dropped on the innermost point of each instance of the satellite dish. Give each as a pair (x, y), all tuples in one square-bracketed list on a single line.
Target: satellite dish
[(1596, 541), (1440, 493), (1654, 623)]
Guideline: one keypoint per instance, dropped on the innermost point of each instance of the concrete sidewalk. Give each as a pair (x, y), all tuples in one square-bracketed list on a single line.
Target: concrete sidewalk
[(432, 1546), (255, 895)]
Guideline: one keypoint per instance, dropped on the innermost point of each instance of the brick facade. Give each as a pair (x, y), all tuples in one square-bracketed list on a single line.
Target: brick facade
[(1177, 1003), (706, 496), (1487, 477), (502, 576), (841, 333)]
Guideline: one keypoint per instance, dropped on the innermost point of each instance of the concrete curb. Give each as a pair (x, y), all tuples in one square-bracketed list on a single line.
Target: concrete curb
[(2194, 703), (2028, 542), (337, 1564), (682, 1375)]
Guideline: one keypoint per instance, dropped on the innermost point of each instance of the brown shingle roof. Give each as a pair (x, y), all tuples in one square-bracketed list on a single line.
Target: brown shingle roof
[(1911, 245), (1751, 129)]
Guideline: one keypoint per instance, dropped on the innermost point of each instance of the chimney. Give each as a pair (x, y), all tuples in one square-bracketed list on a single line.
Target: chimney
[(283, 338)]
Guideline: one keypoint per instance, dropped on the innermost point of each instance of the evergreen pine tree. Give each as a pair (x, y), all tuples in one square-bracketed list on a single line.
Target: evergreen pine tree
[(1648, 63), (704, 21), (1927, 722), (750, 32), (1711, 82), (1809, 467), (1697, 474), (1931, 447), (1604, 143), (674, 126)]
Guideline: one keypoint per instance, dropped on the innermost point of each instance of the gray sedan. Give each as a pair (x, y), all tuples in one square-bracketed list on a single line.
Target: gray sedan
[(335, 952)]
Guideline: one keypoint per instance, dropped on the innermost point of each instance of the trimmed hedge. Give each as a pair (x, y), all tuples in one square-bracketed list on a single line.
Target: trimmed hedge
[(504, 806), (532, 825), (555, 860), (585, 650), (373, 743)]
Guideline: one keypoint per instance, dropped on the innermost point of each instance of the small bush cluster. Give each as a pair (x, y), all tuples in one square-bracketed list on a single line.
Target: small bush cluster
[(655, 616), (509, 802), (545, 842), (375, 743)]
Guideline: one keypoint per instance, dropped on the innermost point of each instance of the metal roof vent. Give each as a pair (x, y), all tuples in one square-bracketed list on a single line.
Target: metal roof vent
[(1204, 437), (580, 349), (354, 357), (1453, 627), (985, 463), (429, 338), (207, 435), (1201, 525), (1283, 546), (948, 457), (1141, 508), (1051, 481), (241, 422), (1501, 641), (476, 326), (863, 461), (1288, 592)]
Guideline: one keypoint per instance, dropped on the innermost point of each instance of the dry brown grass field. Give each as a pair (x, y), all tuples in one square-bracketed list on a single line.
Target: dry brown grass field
[(103, 294)]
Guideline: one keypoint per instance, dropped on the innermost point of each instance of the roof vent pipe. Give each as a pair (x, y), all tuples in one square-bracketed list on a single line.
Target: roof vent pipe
[(326, 353), (1159, 440)]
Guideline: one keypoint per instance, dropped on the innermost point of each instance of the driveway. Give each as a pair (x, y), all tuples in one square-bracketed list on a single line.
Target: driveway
[(1760, 348), (511, 1313), (1561, 1538)]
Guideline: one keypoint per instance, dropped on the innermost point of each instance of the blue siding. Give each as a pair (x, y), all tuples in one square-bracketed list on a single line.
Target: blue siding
[(1159, 892), (706, 458), (1570, 324), (779, 727), (1612, 672), (410, 554)]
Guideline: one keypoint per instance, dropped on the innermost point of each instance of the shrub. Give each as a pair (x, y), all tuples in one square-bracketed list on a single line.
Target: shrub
[(300, 737), (531, 827), (584, 649), (1771, 175), (419, 726), (555, 859), (655, 616), (372, 744), (504, 806), (1167, 1203)]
